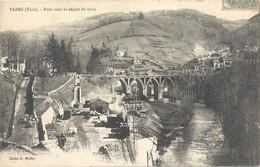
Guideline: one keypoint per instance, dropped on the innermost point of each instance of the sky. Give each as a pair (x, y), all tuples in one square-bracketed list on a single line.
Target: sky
[(19, 20)]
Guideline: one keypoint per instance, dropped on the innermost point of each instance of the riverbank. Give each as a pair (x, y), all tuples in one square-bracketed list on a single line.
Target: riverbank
[(160, 119), (171, 115), (200, 143)]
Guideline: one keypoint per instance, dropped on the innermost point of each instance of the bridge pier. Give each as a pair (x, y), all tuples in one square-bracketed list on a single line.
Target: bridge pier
[(112, 87), (145, 90), (128, 89), (160, 91)]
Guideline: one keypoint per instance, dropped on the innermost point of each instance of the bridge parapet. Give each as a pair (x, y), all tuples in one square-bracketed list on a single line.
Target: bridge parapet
[(141, 76)]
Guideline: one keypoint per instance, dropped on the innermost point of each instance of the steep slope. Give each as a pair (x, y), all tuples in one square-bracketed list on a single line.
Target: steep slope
[(166, 37), (246, 36), (189, 27)]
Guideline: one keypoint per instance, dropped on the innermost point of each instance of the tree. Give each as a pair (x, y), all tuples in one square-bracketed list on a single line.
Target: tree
[(10, 43), (63, 65), (70, 59), (34, 54), (52, 52), (43, 74), (140, 16), (107, 39), (78, 66), (233, 95)]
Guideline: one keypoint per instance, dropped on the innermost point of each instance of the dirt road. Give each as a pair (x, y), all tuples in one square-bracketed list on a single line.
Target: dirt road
[(24, 131)]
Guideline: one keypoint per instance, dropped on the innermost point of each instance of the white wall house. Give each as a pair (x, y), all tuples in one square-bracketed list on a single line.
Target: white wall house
[(120, 53), (3, 64), (13, 67), (47, 118)]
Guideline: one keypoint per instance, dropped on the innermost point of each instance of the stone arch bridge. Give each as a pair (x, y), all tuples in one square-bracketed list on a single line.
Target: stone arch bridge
[(158, 86)]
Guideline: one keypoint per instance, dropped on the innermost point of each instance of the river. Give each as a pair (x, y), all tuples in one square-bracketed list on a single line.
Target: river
[(200, 142)]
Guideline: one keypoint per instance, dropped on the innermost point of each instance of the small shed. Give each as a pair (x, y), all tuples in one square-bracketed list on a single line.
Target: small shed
[(67, 114), (98, 105)]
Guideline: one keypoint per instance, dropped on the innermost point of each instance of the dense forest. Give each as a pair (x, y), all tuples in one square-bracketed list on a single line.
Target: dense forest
[(233, 94)]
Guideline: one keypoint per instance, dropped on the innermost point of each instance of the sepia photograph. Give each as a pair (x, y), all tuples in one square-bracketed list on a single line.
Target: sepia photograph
[(149, 83)]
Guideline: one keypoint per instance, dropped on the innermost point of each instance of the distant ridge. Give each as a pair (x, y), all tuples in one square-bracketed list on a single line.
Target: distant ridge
[(166, 36)]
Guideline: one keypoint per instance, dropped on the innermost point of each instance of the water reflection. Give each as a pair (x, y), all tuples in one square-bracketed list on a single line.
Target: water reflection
[(200, 141)]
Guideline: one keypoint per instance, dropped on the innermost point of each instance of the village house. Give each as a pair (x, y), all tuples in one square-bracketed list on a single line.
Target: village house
[(47, 118), (46, 112), (221, 63), (12, 65), (199, 69), (4, 63), (194, 66), (227, 62), (217, 64), (187, 70), (196, 69), (120, 53)]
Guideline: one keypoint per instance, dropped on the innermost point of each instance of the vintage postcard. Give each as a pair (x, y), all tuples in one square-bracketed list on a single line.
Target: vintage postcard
[(129, 83)]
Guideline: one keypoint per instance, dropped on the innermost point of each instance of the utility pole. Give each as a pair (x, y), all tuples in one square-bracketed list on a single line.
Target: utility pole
[(135, 108), (134, 120)]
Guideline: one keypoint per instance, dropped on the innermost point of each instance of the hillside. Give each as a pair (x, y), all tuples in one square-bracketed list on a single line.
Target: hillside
[(138, 38), (168, 38), (189, 27), (246, 36)]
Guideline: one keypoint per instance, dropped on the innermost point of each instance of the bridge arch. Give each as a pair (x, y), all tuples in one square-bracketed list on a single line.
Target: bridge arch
[(137, 83), (167, 88), (152, 88), (168, 80), (121, 86)]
